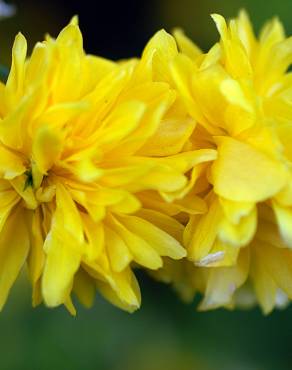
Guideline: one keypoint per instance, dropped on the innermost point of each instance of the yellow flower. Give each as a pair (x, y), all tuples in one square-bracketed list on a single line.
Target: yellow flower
[(84, 144), (107, 166), (239, 93)]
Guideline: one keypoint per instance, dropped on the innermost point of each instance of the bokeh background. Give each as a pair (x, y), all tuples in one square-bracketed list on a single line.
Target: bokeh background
[(165, 333)]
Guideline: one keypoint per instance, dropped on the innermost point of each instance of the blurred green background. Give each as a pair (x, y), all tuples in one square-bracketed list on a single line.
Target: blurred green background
[(165, 333)]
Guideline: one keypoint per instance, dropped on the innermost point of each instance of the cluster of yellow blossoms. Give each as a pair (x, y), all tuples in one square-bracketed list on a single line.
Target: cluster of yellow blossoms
[(179, 163)]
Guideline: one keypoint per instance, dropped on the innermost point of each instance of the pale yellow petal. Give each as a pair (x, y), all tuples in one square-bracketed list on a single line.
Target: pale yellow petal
[(242, 173), (223, 282), (264, 285)]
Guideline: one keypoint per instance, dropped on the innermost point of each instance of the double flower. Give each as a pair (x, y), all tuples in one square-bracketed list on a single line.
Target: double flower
[(178, 163)]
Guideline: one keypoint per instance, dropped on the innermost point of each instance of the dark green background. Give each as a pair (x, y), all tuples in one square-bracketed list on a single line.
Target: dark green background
[(165, 333)]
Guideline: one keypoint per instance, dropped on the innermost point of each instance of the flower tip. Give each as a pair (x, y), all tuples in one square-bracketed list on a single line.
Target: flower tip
[(216, 16), (75, 20), (162, 34), (19, 47), (20, 37), (220, 23), (243, 13), (133, 309), (177, 31), (133, 306), (180, 253), (70, 307)]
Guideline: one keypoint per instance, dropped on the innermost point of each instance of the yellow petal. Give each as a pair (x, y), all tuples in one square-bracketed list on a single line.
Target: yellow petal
[(117, 250), (284, 221), (186, 46), (163, 243), (170, 137), (284, 197), (158, 52), (221, 254), (8, 199), (14, 248), (192, 85), (63, 247), (84, 288), (62, 261), (26, 192), (272, 33), (233, 92), (129, 204), (14, 85), (183, 162), (143, 253), (123, 292), (46, 148), (14, 124), (86, 170), (36, 256), (234, 211), (235, 55), (264, 285), (70, 306), (203, 231), (68, 213), (245, 32), (190, 204), (278, 264), (58, 115), (164, 222), (223, 282), (95, 238), (36, 71), (124, 119), (239, 234), (220, 24), (11, 165), (163, 179), (242, 173), (69, 67)]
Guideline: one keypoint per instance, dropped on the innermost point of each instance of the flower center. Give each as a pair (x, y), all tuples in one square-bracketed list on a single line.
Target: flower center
[(34, 188), (29, 179)]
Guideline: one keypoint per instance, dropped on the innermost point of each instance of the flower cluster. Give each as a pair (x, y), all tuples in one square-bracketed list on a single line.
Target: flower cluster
[(178, 163)]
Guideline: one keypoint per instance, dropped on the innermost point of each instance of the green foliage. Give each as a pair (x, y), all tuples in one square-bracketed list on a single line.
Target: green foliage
[(163, 334), (3, 73)]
